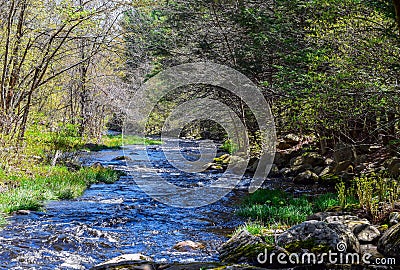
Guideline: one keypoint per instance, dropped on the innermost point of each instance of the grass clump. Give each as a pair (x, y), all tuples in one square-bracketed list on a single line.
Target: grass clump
[(282, 209), (57, 184), (117, 141), (229, 146), (258, 229)]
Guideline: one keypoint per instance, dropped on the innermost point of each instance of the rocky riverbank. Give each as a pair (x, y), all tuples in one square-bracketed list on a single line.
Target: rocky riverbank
[(369, 230)]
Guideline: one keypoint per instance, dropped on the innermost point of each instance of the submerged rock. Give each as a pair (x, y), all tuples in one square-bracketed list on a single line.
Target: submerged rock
[(124, 260), (186, 246), (121, 158)]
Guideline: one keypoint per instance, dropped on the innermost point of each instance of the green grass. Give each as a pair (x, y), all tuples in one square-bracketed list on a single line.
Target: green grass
[(116, 141), (258, 229), (229, 146), (58, 184), (325, 201), (275, 207)]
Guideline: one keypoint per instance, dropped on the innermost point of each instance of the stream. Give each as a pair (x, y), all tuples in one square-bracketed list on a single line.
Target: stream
[(114, 219)]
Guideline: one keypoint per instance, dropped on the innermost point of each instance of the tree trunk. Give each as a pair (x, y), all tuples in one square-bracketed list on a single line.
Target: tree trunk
[(397, 8)]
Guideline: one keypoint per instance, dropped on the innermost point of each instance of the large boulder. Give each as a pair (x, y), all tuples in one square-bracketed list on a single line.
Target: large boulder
[(389, 244), (281, 159), (360, 227), (243, 247), (344, 166), (317, 236), (314, 159), (393, 166), (292, 139), (296, 161), (300, 169), (344, 152), (307, 178)]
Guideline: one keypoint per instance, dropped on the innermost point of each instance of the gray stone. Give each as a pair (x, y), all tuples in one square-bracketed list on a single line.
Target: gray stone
[(394, 218), (242, 247), (186, 246), (296, 161), (344, 166), (393, 166), (329, 161), (321, 216), (97, 165), (274, 171), (389, 243), (301, 168), (360, 227), (281, 159), (318, 170), (292, 139), (344, 152), (321, 234), (325, 171), (123, 260), (314, 159), (285, 171), (307, 177), (366, 233)]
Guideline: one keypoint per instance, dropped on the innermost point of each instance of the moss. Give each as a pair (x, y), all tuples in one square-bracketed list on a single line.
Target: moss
[(309, 244), (248, 251)]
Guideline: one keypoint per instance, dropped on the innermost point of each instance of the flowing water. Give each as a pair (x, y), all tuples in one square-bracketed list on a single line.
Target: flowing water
[(114, 219)]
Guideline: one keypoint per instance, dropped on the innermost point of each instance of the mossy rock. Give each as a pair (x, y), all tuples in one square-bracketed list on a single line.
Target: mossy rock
[(389, 243), (309, 244), (243, 247)]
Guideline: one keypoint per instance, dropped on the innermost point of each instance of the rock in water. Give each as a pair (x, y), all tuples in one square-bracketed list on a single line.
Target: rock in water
[(124, 260), (186, 246), (389, 244), (242, 247), (122, 158)]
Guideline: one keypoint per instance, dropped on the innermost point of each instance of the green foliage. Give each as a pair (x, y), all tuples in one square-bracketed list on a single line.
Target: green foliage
[(346, 196), (276, 207), (229, 146), (326, 201), (376, 190), (52, 183), (258, 229)]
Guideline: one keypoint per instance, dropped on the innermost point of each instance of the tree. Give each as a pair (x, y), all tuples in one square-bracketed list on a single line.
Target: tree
[(40, 42)]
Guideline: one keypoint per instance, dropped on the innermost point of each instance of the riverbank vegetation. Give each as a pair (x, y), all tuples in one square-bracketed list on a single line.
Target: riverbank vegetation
[(328, 69), (278, 209)]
